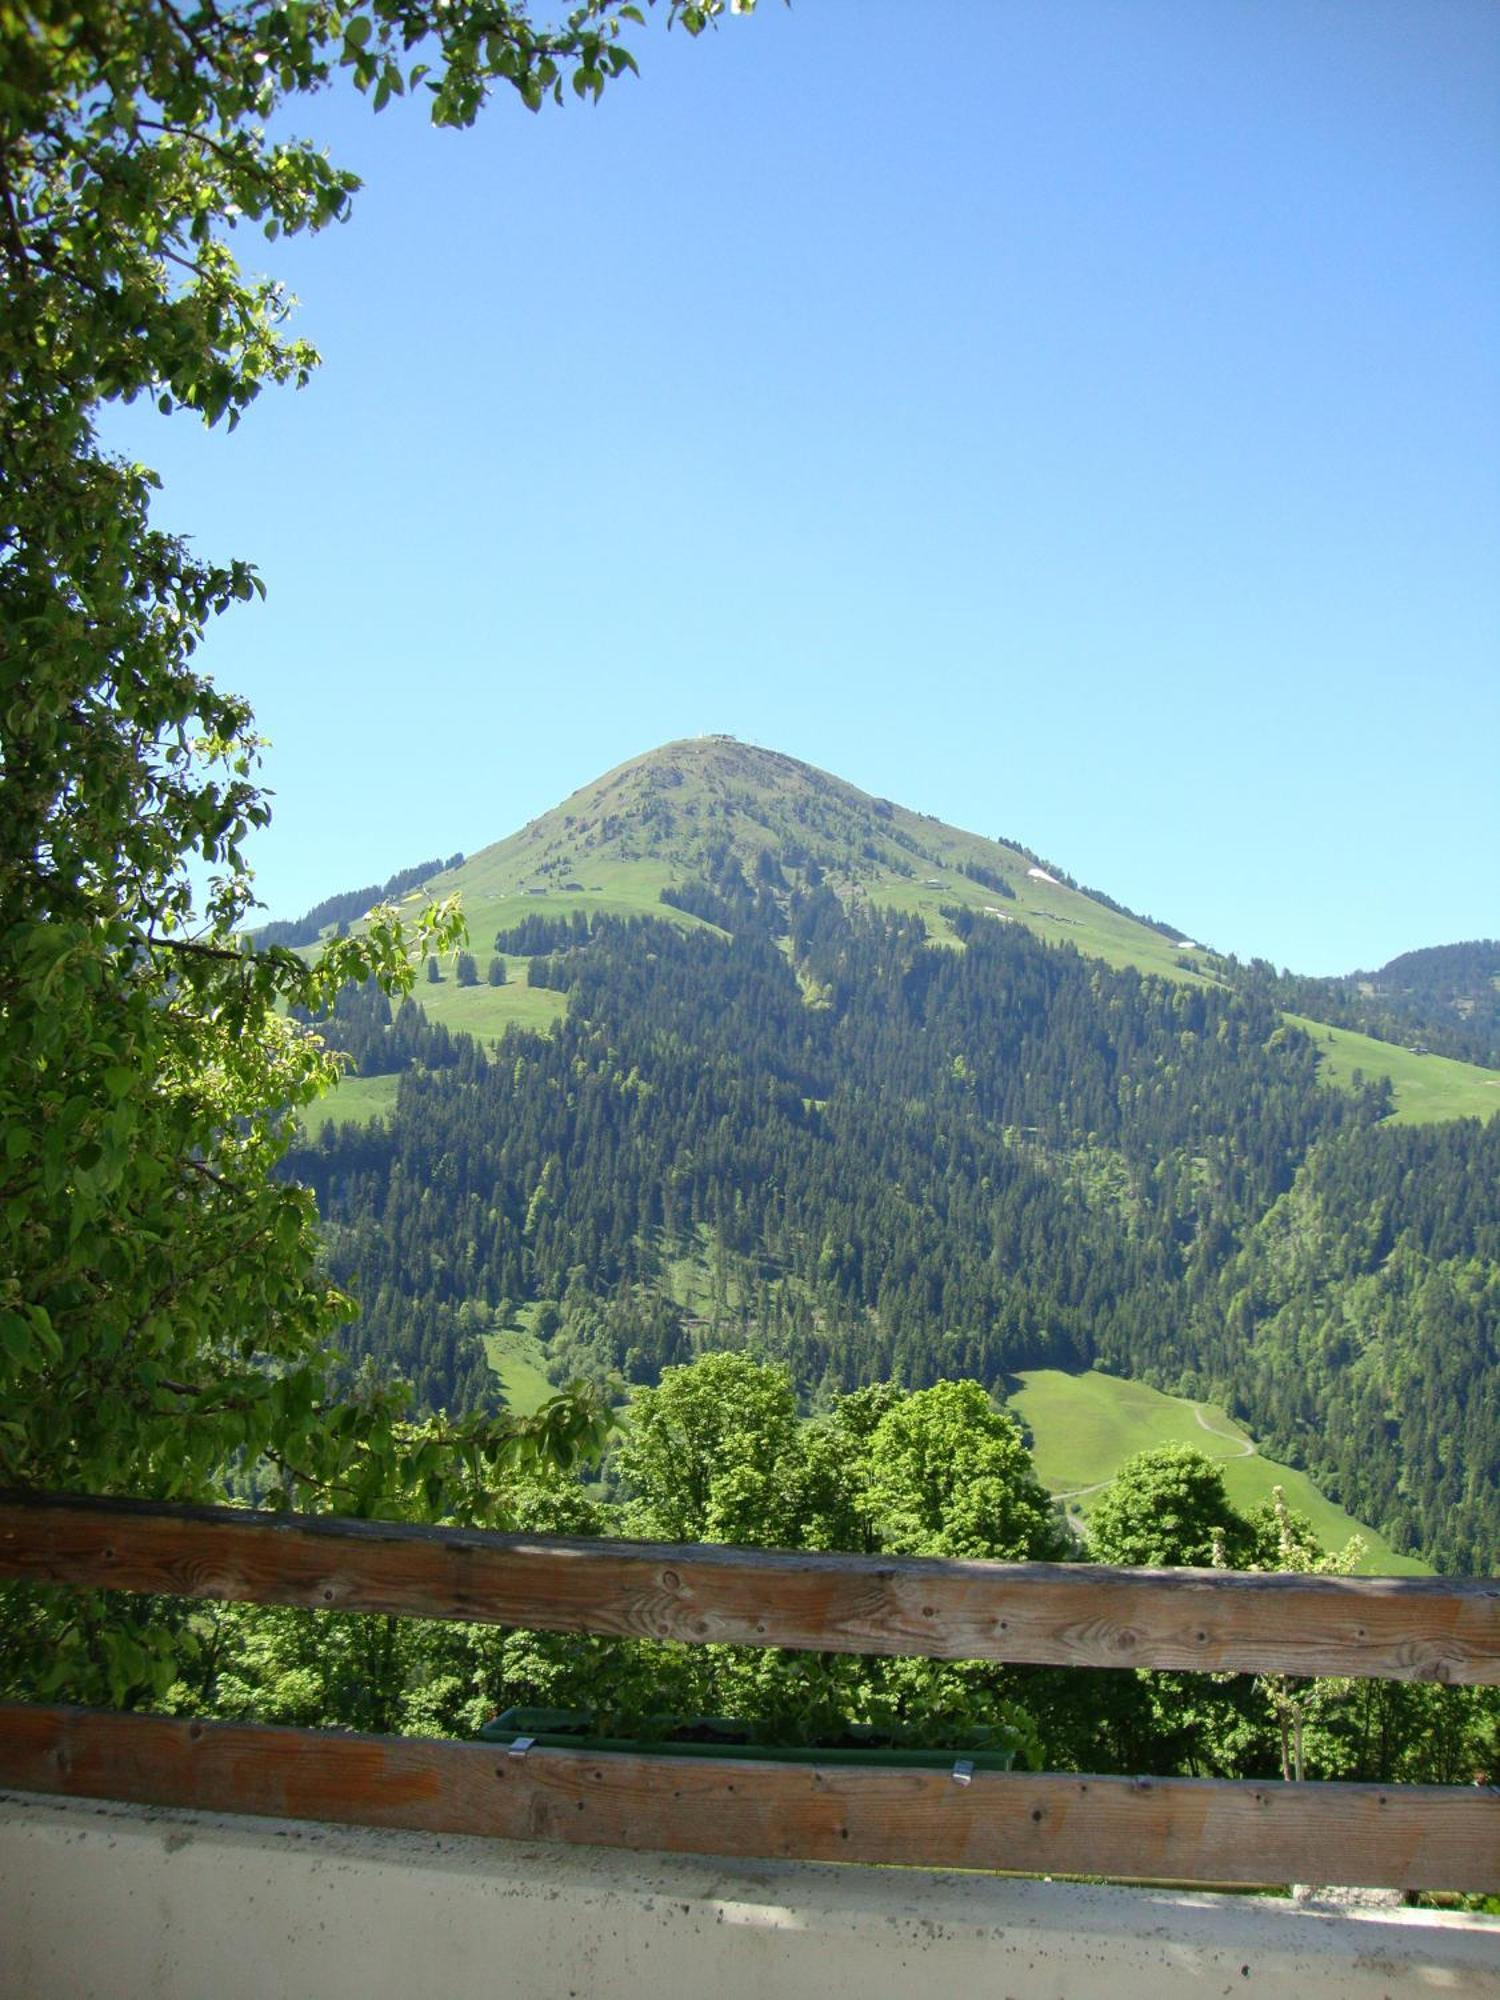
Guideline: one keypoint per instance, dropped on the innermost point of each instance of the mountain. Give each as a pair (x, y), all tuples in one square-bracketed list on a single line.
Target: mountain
[(672, 818), (681, 811), (835, 1081)]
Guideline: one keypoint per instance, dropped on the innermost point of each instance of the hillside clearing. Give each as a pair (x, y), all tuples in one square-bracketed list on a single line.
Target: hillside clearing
[(516, 1358), (1084, 1427), (355, 1100), (1428, 1088), (486, 1011)]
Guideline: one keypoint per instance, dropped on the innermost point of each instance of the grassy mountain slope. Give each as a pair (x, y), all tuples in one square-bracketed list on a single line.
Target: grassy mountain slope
[(1084, 1426), (954, 1163), (1428, 1087), (660, 819), (616, 843), (486, 1010)]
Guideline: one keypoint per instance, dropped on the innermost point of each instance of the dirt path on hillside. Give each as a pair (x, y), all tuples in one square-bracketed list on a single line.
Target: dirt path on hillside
[(1245, 1449), (1078, 1492), (1246, 1445)]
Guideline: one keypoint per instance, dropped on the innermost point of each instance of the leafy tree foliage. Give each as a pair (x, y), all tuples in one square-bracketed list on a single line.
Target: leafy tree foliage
[(1168, 1507), (163, 1316), (708, 1429), (714, 1454), (950, 1476)]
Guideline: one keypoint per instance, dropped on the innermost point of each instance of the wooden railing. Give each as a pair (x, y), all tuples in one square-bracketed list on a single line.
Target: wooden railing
[(1392, 1628)]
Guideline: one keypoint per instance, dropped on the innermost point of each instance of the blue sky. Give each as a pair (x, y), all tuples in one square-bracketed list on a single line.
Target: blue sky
[(1077, 420)]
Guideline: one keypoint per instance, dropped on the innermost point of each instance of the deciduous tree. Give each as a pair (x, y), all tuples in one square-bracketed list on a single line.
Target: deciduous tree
[(162, 1316)]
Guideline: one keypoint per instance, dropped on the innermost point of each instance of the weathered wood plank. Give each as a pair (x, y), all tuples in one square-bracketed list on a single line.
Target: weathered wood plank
[(1393, 1628), (1181, 1829)]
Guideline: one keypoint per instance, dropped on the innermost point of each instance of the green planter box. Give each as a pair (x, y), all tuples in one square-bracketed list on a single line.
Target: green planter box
[(982, 1748)]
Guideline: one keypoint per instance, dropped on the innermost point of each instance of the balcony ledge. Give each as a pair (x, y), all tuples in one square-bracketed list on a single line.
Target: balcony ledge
[(121, 1901)]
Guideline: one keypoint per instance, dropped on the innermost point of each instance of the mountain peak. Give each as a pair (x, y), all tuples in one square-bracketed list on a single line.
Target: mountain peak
[(682, 806), (693, 809)]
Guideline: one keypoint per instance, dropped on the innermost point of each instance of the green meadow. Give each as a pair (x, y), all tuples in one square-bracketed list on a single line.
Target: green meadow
[(483, 1011), (1428, 1088), (516, 1358), (355, 1100), (486, 1011), (607, 886), (1083, 1428)]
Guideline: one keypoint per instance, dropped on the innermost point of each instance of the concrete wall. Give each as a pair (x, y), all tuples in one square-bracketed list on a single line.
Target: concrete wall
[(116, 1902)]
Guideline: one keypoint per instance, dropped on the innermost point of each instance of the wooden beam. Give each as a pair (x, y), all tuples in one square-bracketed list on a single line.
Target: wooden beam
[(1180, 1829), (1071, 1614)]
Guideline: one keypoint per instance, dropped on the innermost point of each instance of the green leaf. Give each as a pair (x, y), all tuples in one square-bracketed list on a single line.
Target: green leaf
[(15, 1338)]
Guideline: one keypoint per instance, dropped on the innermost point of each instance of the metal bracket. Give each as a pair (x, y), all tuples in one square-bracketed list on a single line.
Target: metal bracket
[(963, 1770), (519, 1747)]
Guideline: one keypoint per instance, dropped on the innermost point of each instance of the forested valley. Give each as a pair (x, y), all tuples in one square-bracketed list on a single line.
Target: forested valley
[(903, 1159)]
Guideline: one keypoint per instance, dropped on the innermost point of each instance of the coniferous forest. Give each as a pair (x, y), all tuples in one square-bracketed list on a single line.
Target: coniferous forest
[(902, 1158)]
